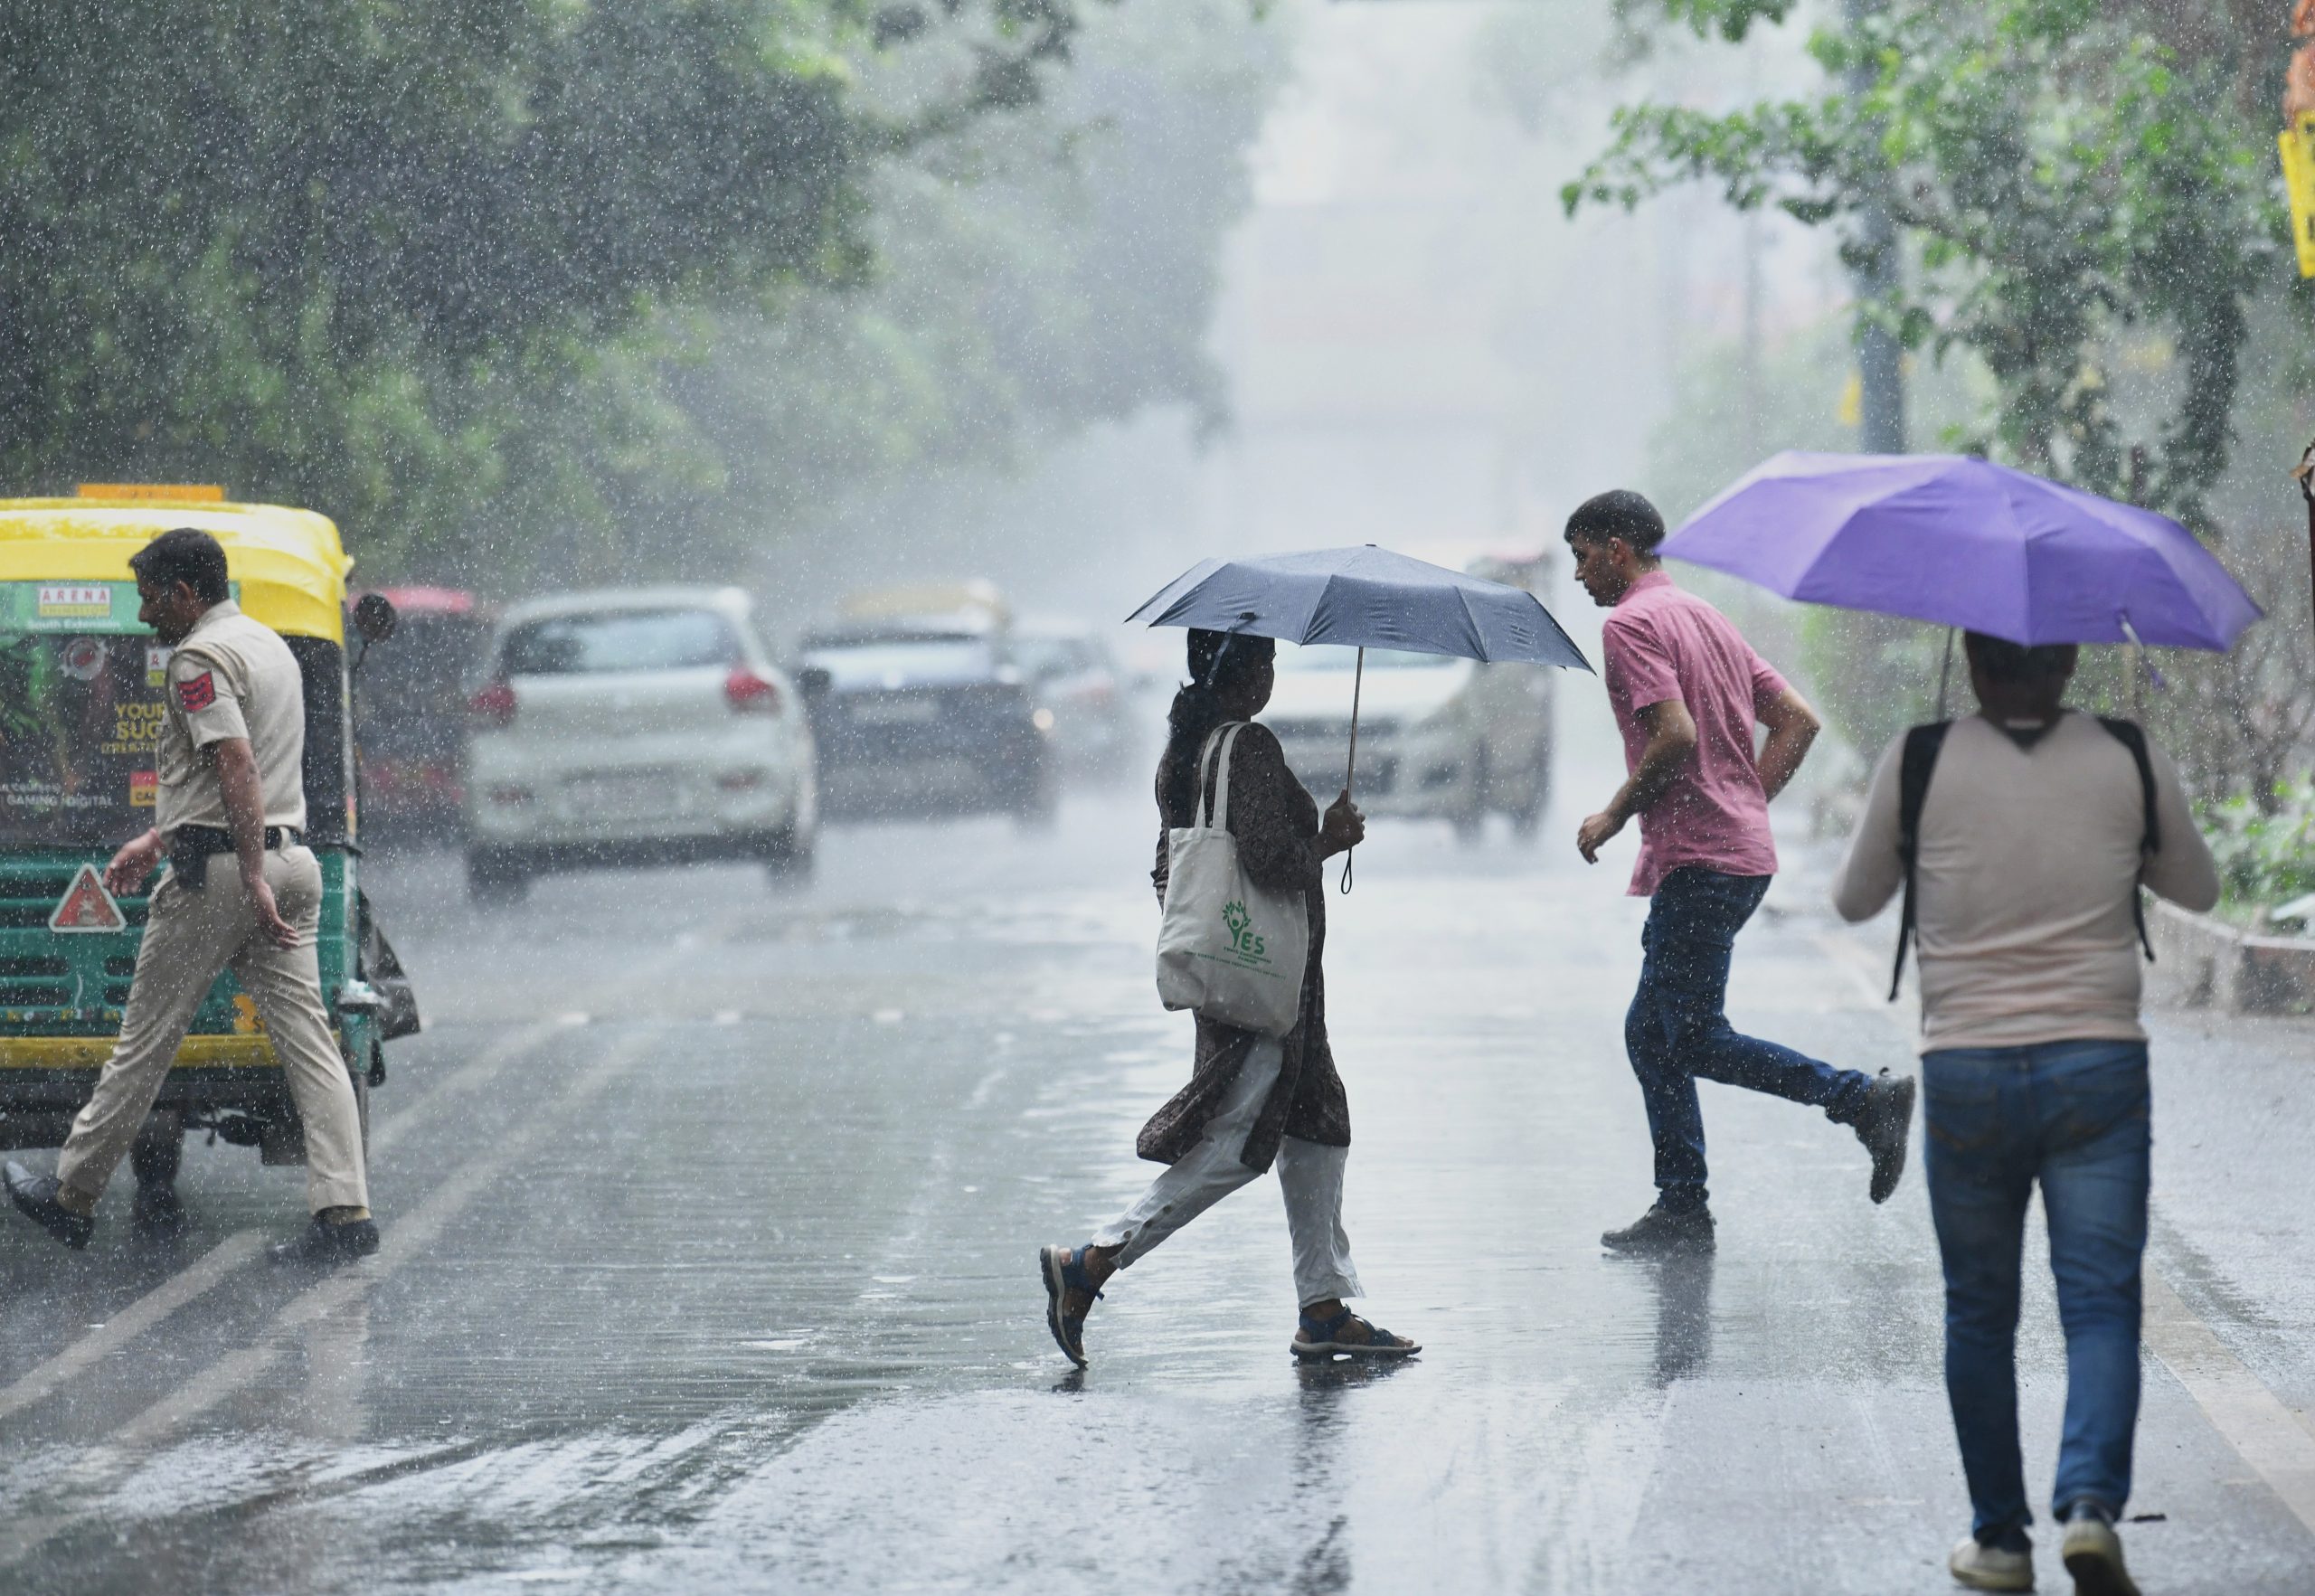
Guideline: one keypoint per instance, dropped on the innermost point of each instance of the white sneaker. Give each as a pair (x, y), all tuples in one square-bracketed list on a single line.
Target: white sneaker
[(2093, 1556), (1990, 1568)]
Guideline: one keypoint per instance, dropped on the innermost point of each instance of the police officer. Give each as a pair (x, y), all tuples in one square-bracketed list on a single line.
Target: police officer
[(242, 892)]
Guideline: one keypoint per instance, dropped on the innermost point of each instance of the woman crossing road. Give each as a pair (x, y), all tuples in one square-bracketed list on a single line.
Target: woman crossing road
[(1252, 1101)]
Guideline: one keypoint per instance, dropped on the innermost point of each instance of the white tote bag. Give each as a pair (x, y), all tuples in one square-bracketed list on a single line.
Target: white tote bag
[(1227, 948)]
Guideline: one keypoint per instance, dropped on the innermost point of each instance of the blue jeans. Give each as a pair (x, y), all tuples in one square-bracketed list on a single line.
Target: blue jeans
[(1677, 1033), (2071, 1115)]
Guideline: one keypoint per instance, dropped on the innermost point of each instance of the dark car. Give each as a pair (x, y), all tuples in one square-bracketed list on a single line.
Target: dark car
[(924, 719), (411, 713), (1086, 706)]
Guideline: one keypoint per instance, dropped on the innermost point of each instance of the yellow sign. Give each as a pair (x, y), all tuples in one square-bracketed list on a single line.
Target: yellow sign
[(2298, 145), (156, 493)]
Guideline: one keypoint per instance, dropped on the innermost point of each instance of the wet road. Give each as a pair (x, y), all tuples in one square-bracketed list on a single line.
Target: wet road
[(711, 1214)]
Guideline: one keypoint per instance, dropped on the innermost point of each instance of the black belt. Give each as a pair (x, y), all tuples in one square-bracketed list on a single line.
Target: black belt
[(190, 848), (216, 839)]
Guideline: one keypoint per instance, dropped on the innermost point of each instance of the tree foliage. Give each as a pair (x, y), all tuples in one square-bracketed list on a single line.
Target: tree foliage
[(2077, 195), (385, 260)]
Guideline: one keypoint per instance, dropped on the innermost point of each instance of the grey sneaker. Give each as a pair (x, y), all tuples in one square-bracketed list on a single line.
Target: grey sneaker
[(2094, 1554), (1885, 1128), (1990, 1568), (1662, 1230)]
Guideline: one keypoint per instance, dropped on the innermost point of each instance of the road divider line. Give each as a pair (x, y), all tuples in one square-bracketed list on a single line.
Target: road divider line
[(2274, 1441), (207, 1272), (404, 1240), (132, 1321)]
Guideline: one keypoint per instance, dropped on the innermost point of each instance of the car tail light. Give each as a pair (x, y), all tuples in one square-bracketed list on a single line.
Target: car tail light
[(494, 705), (749, 694)]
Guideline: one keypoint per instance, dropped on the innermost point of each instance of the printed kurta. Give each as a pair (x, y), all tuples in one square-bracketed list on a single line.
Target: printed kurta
[(1276, 823)]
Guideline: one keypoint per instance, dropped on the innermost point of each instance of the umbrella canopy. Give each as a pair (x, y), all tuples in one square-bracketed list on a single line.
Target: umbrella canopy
[(1965, 543), (1364, 598)]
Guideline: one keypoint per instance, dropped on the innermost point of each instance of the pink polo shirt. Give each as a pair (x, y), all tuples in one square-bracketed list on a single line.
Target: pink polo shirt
[(1663, 646)]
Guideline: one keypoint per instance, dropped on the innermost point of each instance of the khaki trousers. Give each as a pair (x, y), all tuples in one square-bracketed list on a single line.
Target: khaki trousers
[(189, 938)]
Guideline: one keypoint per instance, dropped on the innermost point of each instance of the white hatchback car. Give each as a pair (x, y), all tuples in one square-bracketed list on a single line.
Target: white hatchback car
[(1437, 737), (636, 726)]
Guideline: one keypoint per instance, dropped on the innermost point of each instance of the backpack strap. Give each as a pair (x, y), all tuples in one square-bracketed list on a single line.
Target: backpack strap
[(1918, 764), (2132, 736)]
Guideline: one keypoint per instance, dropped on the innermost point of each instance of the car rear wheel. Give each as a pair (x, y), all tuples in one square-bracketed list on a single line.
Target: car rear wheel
[(1470, 816), (790, 857), (1036, 806), (495, 877), (1535, 797)]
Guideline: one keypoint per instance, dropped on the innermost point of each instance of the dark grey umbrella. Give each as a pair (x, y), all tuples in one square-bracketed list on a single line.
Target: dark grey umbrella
[(1364, 598)]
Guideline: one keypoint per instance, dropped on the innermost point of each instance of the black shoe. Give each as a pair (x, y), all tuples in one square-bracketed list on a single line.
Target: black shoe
[(158, 1210), (327, 1245), (1886, 1126), (35, 1195), (1659, 1230)]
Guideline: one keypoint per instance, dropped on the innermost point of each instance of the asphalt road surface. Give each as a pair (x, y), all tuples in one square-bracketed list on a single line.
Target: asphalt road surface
[(711, 1214)]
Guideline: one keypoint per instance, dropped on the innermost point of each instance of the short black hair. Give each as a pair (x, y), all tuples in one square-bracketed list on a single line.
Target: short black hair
[(184, 554), (2018, 663), (1618, 512)]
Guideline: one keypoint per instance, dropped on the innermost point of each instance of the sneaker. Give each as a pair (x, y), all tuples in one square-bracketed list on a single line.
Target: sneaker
[(326, 1245), (2094, 1554), (36, 1196), (1981, 1567), (1660, 1230), (1886, 1126)]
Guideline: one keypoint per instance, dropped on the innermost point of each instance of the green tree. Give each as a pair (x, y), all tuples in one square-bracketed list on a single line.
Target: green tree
[(383, 259), (2087, 195), (2072, 189)]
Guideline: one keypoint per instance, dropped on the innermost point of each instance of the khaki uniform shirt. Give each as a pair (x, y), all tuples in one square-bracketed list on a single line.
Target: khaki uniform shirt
[(231, 678)]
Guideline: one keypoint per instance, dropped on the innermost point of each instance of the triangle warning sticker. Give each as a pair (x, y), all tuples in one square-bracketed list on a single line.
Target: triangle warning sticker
[(86, 906)]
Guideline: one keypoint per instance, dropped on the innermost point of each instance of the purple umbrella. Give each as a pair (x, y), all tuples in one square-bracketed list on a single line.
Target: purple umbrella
[(1965, 543)]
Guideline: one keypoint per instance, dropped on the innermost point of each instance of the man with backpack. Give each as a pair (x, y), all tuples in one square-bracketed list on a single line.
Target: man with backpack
[(2021, 837)]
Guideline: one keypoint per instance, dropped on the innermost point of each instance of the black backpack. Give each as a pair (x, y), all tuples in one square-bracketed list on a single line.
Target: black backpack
[(1922, 745)]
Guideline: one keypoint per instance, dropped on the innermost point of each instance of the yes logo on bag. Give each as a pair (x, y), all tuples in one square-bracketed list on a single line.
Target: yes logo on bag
[(1247, 946)]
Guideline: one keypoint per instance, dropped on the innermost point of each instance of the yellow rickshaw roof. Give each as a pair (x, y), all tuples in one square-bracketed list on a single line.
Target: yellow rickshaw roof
[(289, 562)]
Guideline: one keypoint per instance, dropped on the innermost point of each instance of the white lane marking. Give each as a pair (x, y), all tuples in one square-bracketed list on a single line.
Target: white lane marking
[(406, 1239), (476, 1072), (130, 1322), (2276, 1442), (2270, 1438), (220, 1261)]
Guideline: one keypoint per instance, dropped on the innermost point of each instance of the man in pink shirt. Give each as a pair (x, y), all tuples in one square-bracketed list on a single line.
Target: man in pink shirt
[(1686, 689)]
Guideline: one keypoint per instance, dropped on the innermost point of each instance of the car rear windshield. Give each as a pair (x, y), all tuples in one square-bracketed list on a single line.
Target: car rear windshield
[(413, 694), (852, 661), (609, 641)]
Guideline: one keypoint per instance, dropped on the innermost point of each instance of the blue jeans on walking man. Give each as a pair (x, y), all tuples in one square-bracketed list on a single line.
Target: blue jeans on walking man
[(2074, 1116), (1677, 1032)]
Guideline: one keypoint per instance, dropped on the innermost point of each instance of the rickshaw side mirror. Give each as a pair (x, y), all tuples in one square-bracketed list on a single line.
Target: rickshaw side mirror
[(374, 617)]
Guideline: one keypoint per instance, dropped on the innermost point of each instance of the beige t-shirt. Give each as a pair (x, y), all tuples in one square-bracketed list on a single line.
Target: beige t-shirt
[(231, 678), (2028, 858)]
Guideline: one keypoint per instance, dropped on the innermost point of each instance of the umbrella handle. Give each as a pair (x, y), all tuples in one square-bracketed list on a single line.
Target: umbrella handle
[(1357, 681)]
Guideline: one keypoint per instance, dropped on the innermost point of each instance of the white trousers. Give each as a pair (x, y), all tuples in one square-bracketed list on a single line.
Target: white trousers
[(1308, 1174)]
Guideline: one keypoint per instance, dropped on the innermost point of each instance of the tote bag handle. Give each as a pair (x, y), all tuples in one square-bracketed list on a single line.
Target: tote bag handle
[(1219, 816)]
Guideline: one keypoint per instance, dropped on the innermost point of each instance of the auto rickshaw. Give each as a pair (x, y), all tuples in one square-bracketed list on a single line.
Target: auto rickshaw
[(80, 707)]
